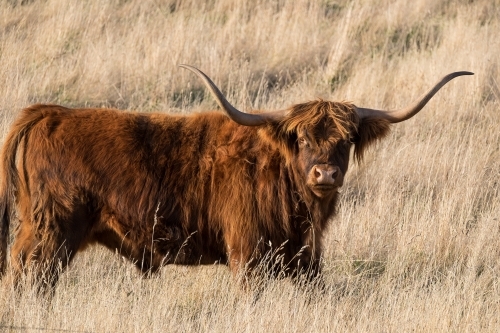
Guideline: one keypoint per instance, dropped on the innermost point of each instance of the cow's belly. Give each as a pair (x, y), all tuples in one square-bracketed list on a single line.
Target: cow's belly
[(189, 252), (152, 246)]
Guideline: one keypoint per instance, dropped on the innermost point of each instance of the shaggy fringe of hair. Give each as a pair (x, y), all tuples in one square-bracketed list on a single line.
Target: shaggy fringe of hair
[(364, 132), (342, 114)]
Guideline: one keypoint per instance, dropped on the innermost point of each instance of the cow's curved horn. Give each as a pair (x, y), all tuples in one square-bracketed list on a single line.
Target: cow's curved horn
[(236, 115), (397, 116)]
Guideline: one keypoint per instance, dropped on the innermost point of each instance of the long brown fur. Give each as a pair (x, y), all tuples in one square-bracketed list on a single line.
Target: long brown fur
[(166, 189)]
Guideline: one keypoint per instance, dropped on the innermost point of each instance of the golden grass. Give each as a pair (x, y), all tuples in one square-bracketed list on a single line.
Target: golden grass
[(415, 246)]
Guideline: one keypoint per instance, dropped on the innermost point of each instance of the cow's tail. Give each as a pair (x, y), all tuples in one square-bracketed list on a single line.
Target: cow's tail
[(9, 174)]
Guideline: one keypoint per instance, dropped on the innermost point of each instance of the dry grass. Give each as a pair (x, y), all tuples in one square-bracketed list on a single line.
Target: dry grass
[(415, 246)]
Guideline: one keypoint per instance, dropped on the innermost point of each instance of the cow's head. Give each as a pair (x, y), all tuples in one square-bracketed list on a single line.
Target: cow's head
[(316, 137)]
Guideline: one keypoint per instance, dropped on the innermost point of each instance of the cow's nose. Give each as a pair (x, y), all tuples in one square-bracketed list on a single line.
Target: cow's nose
[(325, 174)]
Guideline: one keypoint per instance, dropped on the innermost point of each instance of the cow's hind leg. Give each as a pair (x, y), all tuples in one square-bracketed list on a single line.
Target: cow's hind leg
[(22, 250), (146, 262), (45, 247)]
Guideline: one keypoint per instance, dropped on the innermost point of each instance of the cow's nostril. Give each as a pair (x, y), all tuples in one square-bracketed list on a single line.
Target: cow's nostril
[(317, 173), (333, 173)]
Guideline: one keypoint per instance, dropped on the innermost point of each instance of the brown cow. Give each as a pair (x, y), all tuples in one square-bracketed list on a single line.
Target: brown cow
[(170, 189)]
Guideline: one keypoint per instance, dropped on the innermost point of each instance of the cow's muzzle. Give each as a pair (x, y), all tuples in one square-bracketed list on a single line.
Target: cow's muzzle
[(324, 179)]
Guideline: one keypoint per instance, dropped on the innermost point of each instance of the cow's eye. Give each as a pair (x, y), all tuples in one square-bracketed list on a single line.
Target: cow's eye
[(303, 142)]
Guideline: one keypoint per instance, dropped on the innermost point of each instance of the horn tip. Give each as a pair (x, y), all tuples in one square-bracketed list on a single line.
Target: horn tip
[(194, 70)]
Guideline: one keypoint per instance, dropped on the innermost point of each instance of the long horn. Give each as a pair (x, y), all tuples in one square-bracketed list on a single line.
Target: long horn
[(397, 116), (236, 115)]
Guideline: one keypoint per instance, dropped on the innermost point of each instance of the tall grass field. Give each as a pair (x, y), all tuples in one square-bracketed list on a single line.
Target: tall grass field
[(415, 246)]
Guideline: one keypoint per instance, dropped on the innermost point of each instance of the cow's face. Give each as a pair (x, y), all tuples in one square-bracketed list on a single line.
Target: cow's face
[(322, 158), (317, 137)]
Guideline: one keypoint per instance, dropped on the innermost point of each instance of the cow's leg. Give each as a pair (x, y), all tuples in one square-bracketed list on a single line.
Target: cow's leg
[(235, 263), (115, 242), (240, 270), (22, 251), (306, 263), (46, 245), (243, 264), (114, 235)]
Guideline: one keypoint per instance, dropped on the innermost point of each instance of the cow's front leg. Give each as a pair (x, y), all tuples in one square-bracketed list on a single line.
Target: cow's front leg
[(307, 263)]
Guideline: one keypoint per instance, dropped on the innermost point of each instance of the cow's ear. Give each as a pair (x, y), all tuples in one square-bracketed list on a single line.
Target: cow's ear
[(369, 130)]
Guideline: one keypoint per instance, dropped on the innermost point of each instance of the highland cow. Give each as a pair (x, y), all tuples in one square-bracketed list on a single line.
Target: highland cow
[(163, 189)]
